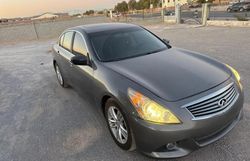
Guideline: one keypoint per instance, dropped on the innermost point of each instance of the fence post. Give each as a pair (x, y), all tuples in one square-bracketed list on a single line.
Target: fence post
[(143, 14), (178, 13), (205, 12), (162, 10), (111, 14), (34, 25)]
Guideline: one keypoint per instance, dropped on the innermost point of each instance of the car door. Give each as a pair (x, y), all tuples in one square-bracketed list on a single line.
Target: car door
[(64, 52), (236, 7), (57, 49), (81, 75)]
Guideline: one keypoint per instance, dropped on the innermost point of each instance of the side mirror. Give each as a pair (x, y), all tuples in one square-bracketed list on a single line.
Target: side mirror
[(166, 41), (79, 60)]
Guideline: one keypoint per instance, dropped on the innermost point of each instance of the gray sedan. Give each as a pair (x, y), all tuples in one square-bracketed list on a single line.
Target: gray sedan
[(162, 100)]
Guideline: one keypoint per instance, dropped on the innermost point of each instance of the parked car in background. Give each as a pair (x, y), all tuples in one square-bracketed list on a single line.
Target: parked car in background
[(241, 6), (162, 100), (117, 15)]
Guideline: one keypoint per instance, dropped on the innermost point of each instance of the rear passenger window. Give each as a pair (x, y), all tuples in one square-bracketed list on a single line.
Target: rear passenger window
[(61, 40), (79, 45), (67, 41)]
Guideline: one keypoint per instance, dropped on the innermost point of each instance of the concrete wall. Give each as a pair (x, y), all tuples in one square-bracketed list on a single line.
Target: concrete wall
[(229, 23), (43, 30)]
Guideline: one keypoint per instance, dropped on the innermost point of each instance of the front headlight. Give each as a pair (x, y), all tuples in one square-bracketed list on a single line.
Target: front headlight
[(236, 74), (150, 110)]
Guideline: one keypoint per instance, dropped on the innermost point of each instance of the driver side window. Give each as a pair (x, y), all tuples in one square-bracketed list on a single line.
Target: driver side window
[(79, 45), (67, 40)]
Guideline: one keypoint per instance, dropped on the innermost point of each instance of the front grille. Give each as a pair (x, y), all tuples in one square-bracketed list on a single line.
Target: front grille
[(213, 103)]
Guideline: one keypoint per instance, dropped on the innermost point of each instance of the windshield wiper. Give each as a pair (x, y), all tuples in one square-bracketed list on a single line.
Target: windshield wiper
[(133, 56), (156, 51)]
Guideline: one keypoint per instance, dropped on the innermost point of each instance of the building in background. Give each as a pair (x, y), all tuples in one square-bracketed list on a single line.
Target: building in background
[(49, 15), (172, 3), (63, 15), (224, 2), (3, 20), (45, 16)]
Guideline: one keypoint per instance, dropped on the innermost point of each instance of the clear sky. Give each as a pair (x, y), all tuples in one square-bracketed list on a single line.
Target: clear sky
[(22, 8)]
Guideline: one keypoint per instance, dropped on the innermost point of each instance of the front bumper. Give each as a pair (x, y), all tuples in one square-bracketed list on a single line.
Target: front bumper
[(151, 139)]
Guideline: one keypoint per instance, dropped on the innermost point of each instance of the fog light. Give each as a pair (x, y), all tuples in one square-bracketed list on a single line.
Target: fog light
[(171, 146)]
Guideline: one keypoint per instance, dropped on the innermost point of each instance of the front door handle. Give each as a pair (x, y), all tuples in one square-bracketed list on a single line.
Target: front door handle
[(71, 64)]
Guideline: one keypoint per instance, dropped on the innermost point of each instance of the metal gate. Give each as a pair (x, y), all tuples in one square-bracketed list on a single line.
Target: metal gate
[(191, 15)]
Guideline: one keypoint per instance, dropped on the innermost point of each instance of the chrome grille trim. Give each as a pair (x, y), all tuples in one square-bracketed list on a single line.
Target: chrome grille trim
[(207, 106)]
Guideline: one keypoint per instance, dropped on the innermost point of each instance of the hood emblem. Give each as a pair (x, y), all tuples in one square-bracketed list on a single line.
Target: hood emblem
[(222, 102)]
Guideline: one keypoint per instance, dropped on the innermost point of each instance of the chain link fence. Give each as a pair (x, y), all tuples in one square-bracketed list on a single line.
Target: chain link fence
[(35, 30), (216, 12), (138, 16)]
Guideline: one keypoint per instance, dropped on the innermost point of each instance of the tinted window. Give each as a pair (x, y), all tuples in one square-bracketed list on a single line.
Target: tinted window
[(79, 45), (237, 4), (67, 40), (125, 43), (61, 40)]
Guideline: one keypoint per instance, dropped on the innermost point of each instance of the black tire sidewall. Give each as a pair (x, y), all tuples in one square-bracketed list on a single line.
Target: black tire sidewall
[(63, 84), (128, 144)]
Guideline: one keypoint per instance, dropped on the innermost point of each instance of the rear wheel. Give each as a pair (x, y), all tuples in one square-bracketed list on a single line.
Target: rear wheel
[(60, 76), (229, 10), (119, 126)]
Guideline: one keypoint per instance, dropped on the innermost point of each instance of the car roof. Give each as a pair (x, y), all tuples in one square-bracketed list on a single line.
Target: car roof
[(93, 28), (239, 3)]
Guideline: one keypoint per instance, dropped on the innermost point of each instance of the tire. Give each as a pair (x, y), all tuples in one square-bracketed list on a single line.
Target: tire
[(112, 110), (59, 76), (229, 10), (241, 10)]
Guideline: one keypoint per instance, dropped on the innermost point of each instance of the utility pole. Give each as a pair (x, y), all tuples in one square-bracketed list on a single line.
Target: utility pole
[(111, 14), (151, 8), (162, 10), (178, 13)]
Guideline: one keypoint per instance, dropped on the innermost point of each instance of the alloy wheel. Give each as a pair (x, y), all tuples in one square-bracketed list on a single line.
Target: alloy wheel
[(117, 124)]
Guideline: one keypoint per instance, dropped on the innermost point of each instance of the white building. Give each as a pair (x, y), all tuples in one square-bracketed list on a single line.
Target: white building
[(172, 3), (46, 16)]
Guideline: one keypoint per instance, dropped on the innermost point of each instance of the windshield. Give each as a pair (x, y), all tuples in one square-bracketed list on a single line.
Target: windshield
[(125, 43)]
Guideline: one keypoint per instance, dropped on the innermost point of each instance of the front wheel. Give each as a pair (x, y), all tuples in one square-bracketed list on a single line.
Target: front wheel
[(229, 10), (60, 76), (119, 126), (241, 9)]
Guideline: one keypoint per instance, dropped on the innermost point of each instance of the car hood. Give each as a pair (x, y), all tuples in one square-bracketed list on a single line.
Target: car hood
[(172, 74)]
